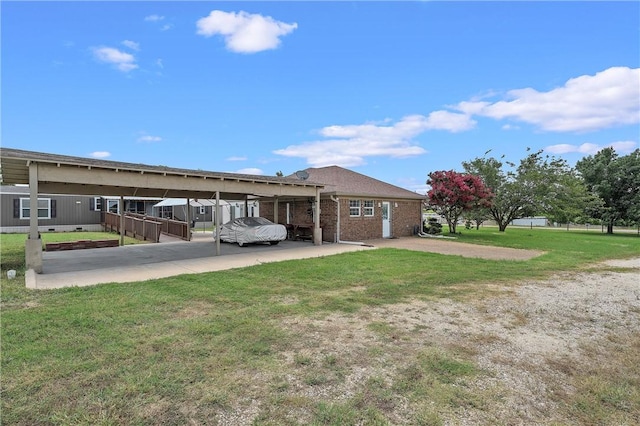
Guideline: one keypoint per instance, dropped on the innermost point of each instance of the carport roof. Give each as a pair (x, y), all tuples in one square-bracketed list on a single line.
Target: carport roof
[(61, 174)]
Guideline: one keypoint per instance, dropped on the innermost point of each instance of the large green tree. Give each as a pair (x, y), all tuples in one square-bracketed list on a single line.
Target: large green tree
[(538, 185), (616, 181)]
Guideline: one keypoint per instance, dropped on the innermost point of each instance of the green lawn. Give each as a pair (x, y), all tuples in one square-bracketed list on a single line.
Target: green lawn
[(12, 255), (190, 347)]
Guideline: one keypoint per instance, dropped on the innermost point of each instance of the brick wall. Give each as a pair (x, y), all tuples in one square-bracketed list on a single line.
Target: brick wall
[(405, 215), (359, 228), (266, 211), (328, 222), (404, 218), (300, 213)]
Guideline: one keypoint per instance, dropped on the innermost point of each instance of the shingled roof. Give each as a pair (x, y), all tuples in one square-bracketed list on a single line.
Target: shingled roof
[(343, 182)]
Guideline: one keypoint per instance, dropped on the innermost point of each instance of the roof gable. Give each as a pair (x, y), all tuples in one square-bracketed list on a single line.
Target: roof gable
[(340, 181)]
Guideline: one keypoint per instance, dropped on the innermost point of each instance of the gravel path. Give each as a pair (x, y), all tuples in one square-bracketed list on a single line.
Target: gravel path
[(444, 246)]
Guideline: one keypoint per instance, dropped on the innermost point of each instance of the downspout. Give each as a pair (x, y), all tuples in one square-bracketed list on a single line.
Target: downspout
[(337, 200)]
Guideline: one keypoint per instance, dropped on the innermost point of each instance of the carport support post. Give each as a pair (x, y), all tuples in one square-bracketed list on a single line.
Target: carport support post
[(122, 231), (317, 231), (188, 216), (33, 245), (217, 230), (276, 207)]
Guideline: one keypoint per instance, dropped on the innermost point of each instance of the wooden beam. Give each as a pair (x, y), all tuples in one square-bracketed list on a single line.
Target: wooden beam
[(102, 178)]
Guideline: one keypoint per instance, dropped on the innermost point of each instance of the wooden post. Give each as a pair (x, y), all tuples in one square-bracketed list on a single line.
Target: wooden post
[(33, 245), (217, 230), (317, 232), (33, 201), (122, 231), (188, 216), (276, 207)]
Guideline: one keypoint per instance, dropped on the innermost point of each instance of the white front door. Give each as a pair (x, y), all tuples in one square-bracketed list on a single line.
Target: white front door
[(386, 219)]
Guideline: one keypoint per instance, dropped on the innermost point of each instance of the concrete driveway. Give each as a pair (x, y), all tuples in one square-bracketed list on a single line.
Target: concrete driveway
[(142, 262)]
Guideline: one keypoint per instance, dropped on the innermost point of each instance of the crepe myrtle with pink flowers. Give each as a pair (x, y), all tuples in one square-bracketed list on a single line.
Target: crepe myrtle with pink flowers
[(453, 193)]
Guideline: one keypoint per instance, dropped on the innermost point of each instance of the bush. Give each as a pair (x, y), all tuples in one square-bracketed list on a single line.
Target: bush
[(432, 227)]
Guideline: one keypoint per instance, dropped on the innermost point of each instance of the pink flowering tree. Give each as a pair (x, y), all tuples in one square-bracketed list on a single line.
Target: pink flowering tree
[(453, 193)]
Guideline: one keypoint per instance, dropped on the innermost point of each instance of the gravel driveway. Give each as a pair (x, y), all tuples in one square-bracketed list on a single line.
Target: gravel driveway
[(444, 246)]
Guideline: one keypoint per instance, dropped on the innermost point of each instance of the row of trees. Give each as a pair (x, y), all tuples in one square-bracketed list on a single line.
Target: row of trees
[(604, 186)]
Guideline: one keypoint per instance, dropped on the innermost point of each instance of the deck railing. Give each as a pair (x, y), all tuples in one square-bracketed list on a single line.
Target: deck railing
[(141, 227)]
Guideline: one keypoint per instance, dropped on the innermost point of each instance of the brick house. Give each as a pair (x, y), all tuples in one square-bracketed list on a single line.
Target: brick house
[(353, 207)]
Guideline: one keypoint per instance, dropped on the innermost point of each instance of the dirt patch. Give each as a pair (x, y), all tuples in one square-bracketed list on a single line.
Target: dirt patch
[(194, 310), (444, 246), (527, 341)]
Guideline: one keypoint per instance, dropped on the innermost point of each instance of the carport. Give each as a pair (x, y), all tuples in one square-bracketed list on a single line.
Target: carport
[(60, 174)]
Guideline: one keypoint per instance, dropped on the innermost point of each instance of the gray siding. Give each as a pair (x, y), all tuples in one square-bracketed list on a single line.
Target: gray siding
[(69, 210)]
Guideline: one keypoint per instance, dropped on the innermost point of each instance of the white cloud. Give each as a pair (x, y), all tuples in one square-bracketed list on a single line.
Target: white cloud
[(510, 127), (349, 145), (149, 139), (237, 159), (621, 147), (244, 32), (100, 154), (153, 18), (450, 121), (250, 171), (413, 184), (586, 103), (131, 45), (158, 18), (122, 61)]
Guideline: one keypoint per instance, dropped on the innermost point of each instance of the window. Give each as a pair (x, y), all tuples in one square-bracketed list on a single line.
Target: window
[(113, 206), (44, 208), (354, 208), (203, 210), (97, 204), (137, 207), (368, 207), (166, 212)]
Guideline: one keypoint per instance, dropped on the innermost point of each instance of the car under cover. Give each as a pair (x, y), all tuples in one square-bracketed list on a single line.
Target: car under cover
[(247, 230)]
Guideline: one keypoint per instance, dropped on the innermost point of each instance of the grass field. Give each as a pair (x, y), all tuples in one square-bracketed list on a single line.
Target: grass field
[(195, 348)]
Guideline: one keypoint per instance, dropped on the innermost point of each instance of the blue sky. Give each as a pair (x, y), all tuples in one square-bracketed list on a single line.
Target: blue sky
[(393, 90)]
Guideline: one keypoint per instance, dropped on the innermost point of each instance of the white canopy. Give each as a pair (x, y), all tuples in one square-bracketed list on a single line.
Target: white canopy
[(183, 202)]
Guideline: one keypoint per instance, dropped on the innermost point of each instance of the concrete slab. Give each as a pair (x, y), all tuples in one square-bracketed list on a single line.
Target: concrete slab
[(175, 257), (151, 261)]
